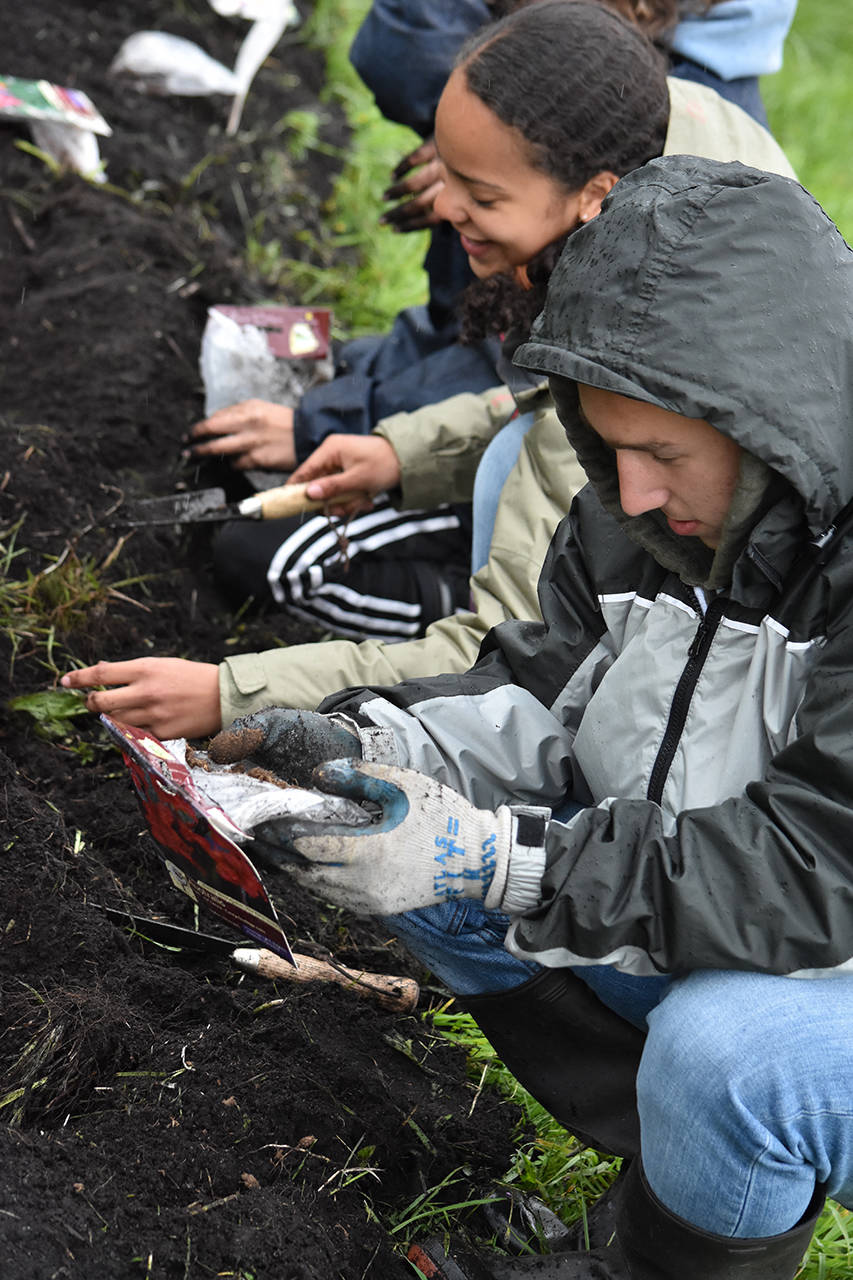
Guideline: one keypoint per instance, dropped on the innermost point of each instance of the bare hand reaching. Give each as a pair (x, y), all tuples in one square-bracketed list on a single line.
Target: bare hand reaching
[(254, 433), (170, 697), (418, 178), (346, 463)]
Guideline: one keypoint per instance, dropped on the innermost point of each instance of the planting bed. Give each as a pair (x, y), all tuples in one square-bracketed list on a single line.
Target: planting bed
[(157, 1120)]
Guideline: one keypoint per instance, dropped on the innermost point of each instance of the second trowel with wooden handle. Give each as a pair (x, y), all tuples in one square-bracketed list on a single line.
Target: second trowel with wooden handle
[(211, 505)]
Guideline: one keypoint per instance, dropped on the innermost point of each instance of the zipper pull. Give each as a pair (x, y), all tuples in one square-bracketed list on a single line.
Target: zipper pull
[(708, 623), (696, 643)]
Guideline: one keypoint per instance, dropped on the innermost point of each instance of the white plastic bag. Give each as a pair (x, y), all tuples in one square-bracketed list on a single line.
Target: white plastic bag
[(163, 64), (71, 147), (237, 364)]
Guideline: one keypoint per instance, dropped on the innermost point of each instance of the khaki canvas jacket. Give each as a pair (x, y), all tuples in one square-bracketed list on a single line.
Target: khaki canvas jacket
[(439, 448)]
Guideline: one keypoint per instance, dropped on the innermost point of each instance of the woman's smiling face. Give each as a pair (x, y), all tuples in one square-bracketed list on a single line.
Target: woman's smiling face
[(504, 209)]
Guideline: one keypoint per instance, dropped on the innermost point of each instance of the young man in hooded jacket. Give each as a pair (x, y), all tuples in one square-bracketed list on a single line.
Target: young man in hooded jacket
[(623, 837)]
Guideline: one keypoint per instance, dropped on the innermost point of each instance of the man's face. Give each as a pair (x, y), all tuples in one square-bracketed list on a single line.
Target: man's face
[(682, 467)]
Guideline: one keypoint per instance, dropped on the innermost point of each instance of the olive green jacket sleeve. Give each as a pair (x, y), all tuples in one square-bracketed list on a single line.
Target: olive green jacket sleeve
[(537, 494), (440, 445)]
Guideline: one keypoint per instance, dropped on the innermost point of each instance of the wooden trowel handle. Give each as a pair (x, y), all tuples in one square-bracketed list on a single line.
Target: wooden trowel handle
[(397, 994), (289, 500)]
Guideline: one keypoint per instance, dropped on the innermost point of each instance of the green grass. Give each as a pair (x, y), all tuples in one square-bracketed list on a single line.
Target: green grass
[(382, 273), (810, 103), (39, 608)]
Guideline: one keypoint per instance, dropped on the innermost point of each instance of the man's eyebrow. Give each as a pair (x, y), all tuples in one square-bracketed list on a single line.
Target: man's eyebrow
[(648, 446)]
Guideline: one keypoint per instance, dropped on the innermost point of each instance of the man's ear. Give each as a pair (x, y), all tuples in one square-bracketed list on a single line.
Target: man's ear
[(593, 192)]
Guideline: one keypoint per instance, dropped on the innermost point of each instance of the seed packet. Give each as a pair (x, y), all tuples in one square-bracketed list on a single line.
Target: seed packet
[(199, 840), (41, 100)]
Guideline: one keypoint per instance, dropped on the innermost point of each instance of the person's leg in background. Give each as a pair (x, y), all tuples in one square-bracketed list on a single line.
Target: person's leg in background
[(497, 462), (386, 574)]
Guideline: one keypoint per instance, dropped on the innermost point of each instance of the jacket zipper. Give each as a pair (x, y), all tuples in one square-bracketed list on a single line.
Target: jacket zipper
[(696, 655)]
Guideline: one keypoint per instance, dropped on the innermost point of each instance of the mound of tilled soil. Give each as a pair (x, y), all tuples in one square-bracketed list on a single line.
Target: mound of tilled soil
[(166, 1116)]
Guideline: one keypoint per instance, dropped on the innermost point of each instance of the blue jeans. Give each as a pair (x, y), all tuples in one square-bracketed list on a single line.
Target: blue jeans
[(745, 1089), (495, 465)]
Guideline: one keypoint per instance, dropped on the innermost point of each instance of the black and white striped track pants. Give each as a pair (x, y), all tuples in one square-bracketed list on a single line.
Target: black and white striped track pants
[(386, 574)]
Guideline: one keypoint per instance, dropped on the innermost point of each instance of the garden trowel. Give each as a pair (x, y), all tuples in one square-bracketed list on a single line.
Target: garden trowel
[(211, 505), (400, 995)]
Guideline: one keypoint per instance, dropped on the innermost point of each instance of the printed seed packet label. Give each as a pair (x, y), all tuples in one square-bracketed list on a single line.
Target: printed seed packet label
[(41, 100), (291, 332), (195, 838)]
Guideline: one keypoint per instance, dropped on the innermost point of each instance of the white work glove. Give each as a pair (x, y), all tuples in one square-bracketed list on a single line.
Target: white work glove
[(426, 844)]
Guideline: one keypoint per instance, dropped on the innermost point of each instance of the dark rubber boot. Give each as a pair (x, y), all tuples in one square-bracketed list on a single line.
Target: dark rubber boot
[(659, 1246), (577, 1057)]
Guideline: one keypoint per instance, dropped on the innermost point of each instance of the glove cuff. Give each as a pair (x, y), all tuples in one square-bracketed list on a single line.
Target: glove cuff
[(526, 863), (378, 745)]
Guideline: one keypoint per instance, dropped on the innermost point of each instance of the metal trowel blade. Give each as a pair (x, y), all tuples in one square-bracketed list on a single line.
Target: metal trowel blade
[(179, 508)]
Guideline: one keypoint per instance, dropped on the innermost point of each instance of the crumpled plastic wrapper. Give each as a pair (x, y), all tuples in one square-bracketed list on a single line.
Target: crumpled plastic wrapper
[(248, 800), (161, 63), (70, 146)]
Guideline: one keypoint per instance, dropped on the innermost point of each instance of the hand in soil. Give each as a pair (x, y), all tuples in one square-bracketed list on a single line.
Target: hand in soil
[(170, 697), (418, 179), (428, 844), (253, 433), (290, 743), (346, 463)]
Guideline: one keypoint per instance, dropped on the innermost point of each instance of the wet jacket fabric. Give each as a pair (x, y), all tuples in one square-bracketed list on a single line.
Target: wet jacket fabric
[(439, 447), (711, 738)]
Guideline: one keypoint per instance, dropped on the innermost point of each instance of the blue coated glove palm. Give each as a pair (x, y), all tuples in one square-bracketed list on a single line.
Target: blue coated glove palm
[(428, 843), (289, 743)]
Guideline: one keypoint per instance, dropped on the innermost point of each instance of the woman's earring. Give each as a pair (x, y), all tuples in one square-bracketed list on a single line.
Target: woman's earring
[(521, 277)]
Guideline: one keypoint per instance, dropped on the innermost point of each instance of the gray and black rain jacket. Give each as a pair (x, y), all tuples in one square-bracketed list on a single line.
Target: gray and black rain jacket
[(703, 712)]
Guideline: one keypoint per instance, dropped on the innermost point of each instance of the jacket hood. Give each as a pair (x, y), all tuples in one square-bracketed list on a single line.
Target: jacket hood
[(720, 292)]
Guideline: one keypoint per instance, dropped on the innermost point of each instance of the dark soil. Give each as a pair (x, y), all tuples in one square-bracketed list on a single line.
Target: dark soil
[(162, 1116)]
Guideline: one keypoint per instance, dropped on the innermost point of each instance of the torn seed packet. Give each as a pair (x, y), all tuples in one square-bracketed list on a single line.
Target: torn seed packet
[(201, 815)]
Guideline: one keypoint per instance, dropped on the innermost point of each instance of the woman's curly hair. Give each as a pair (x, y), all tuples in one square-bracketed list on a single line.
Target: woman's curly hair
[(587, 92)]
